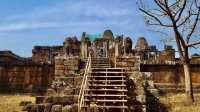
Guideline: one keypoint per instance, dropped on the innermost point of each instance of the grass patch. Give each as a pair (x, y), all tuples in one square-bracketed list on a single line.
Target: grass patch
[(175, 103), (10, 103)]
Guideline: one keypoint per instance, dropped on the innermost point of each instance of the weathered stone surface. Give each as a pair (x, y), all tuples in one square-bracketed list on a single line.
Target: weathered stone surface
[(72, 46), (56, 108), (50, 92), (34, 108), (64, 100), (39, 99), (141, 44), (46, 54), (74, 108), (48, 99), (65, 66), (24, 103), (22, 74), (108, 34), (128, 45), (135, 84), (47, 107), (67, 108)]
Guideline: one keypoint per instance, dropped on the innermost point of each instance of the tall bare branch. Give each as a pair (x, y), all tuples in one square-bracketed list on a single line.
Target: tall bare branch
[(155, 18), (193, 26), (181, 11), (193, 43)]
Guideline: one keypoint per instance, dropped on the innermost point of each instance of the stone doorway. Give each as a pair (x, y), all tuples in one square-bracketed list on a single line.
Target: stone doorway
[(100, 50)]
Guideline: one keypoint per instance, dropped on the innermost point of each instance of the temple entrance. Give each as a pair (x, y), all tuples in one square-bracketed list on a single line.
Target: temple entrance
[(100, 50)]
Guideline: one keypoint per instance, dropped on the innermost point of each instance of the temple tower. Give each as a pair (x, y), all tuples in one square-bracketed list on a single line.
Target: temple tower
[(84, 46)]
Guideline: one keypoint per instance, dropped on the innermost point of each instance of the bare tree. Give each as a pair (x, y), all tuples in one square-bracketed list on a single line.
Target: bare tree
[(182, 18)]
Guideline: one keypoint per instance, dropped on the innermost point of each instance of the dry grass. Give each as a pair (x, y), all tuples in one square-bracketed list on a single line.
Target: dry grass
[(175, 103), (10, 103)]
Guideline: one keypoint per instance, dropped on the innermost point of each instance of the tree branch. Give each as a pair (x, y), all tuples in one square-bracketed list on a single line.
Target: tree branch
[(193, 26), (159, 4), (155, 18), (175, 3), (181, 11), (179, 38), (185, 20), (193, 43)]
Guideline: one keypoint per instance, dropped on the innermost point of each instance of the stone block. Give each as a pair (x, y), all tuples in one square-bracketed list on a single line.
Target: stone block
[(68, 91), (67, 108), (141, 98), (56, 108), (47, 107), (40, 107), (74, 108), (24, 103), (75, 98), (39, 99), (27, 107), (34, 108), (49, 99), (50, 92), (64, 100)]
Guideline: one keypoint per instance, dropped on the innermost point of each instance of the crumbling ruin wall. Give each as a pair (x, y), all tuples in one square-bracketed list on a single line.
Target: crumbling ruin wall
[(25, 78), (64, 89), (170, 78), (135, 83), (67, 71), (46, 54), (18, 74), (71, 46), (66, 65)]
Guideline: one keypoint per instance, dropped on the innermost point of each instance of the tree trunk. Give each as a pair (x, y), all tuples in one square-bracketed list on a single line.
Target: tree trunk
[(188, 83)]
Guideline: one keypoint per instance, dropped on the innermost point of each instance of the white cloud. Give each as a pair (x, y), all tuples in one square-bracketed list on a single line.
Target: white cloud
[(68, 14), (35, 25), (25, 25)]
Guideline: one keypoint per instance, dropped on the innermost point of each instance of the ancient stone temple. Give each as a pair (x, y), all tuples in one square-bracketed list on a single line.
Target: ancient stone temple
[(98, 73)]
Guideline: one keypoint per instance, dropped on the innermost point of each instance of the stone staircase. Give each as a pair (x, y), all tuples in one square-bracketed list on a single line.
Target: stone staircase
[(106, 89), (102, 88)]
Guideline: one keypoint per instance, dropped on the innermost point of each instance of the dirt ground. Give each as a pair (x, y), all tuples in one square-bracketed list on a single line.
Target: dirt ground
[(174, 102), (10, 103)]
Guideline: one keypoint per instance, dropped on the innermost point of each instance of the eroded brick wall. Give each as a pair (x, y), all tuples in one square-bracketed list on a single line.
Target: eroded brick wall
[(170, 78), (25, 78), (66, 65), (46, 54)]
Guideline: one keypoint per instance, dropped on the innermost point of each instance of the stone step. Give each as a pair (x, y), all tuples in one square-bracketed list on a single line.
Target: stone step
[(100, 63), (98, 100), (100, 66), (109, 107), (117, 90), (107, 76), (106, 95), (106, 65), (110, 68), (110, 72), (107, 81), (100, 60), (107, 85)]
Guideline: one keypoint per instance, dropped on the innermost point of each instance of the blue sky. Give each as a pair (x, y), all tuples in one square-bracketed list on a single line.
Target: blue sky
[(25, 23)]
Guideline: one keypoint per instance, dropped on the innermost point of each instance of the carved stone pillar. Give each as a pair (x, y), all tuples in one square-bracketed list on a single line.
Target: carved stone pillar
[(84, 46), (116, 49)]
